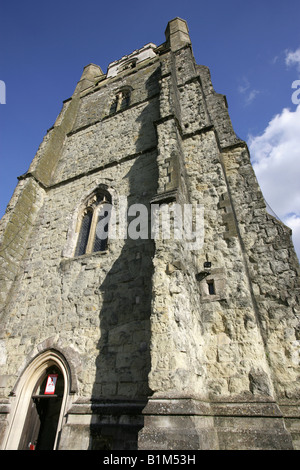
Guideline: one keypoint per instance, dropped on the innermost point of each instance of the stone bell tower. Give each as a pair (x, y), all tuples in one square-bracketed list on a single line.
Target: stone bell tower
[(114, 336)]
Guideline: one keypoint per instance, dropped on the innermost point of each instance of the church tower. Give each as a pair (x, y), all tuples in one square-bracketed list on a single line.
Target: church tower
[(148, 299)]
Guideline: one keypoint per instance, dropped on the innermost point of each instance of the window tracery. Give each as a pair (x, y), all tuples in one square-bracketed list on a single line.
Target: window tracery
[(93, 224)]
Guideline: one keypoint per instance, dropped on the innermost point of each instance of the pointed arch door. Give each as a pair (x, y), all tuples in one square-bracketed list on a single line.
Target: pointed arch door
[(41, 423), (37, 414)]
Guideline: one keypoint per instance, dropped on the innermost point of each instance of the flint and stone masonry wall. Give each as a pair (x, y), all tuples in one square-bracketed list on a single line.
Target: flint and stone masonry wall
[(154, 360)]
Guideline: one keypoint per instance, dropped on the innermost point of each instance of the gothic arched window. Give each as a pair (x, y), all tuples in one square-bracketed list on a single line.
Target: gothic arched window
[(121, 101), (93, 225)]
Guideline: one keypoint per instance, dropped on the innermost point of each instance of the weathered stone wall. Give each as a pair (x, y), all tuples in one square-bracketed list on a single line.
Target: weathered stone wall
[(97, 307), (232, 341), (240, 354), (111, 138), (137, 322), (97, 303), (16, 226), (224, 326), (273, 270)]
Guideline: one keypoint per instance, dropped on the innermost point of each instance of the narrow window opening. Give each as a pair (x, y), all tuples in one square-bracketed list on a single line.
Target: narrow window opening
[(124, 100), (100, 242), (211, 287), (84, 233), (113, 107)]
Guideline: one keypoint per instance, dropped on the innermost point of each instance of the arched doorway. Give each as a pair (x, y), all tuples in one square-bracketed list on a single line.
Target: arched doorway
[(40, 402), (40, 428)]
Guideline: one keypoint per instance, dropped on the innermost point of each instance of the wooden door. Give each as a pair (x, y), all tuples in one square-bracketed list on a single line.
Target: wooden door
[(31, 428)]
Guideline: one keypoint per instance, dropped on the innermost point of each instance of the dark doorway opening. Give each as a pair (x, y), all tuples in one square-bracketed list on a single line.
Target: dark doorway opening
[(40, 428)]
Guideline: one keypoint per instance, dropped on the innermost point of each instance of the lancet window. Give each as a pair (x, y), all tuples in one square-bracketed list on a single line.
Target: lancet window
[(93, 225), (121, 101)]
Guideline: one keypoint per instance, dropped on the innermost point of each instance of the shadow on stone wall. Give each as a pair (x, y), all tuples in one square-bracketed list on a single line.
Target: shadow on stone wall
[(121, 384)]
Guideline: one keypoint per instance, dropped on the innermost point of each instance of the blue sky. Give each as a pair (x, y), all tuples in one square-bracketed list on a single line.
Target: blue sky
[(252, 50)]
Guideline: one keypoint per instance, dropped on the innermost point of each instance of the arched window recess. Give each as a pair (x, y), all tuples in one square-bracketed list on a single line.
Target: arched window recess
[(128, 65), (93, 223), (121, 100)]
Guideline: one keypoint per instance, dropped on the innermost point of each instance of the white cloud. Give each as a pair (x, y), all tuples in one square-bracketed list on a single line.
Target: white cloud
[(248, 93), (293, 58), (251, 95), (276, 160)]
